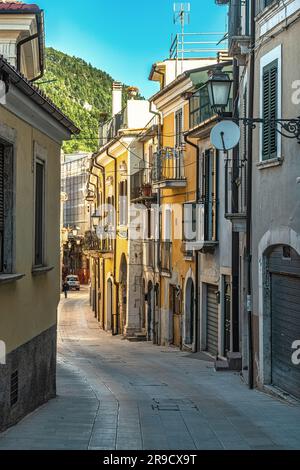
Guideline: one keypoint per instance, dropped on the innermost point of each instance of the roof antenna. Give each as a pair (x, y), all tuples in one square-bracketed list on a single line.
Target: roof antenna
[(182, 14)]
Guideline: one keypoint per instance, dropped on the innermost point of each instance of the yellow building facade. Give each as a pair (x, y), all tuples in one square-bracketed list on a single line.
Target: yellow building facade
[(32, 130), (116, 257)]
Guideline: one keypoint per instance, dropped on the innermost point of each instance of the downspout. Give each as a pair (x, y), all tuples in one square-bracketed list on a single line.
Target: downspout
[(249, 198), (156, 253), (115, 240), (102, 169), (235, 238), (196, 147)]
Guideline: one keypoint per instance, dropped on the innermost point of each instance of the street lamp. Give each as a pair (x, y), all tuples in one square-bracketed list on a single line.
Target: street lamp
[(75, 232), (78, 242), (219, 87), (69, 245), (95, 220)]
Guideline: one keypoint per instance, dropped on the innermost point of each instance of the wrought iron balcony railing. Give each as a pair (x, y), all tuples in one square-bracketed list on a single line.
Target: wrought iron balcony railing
[(141, 186), (168, 169), (205, 238), (200, 109), (102, 245), (109, 129)]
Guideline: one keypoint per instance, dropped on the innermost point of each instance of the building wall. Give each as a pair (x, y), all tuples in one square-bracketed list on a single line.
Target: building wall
[(176, 197), (28, 307), (277, 215)]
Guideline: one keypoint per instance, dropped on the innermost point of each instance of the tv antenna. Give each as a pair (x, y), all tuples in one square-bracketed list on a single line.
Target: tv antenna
[(182, 15)]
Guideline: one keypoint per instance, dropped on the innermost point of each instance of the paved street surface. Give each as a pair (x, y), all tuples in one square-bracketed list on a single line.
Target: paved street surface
[(113, 394)]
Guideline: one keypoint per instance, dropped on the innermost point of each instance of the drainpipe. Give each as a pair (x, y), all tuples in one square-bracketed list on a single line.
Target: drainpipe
[(156, 254), (115, 240), (235, 240), (249, 198), (196, 147), (102, 169)]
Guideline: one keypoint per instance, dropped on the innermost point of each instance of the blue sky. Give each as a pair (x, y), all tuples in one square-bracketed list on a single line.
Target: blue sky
[(124, 37)]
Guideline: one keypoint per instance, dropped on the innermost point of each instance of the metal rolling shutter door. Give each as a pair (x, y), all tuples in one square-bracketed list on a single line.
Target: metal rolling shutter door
[(285, 319), (212, 320)]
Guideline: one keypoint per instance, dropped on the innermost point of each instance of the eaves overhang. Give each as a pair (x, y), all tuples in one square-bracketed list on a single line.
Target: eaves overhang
[(12, 77)]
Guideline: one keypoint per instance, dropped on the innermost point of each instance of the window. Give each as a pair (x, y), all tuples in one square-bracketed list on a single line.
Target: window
[(39, 212), (210, 194), (6, 208), (179, 128), (262, 4), (123, 206), (189, 221), (270, 109)]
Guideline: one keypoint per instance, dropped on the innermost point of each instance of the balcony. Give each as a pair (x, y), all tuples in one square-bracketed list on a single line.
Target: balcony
[(200, 109), (109, 129), (165, 257), (168, 169), (205, 238), (141, 187), (95, 246), (238, 40)]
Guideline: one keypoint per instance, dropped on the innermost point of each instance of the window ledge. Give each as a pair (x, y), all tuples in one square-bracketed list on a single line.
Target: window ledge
[(270, 163), (8, 278), (266, 10), (36, 271)]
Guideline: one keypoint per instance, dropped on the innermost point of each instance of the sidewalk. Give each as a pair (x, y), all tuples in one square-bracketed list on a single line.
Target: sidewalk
[(113, 394)]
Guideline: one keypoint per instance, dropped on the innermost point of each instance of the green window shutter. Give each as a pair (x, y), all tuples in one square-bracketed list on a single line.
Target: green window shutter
[(270, 109)]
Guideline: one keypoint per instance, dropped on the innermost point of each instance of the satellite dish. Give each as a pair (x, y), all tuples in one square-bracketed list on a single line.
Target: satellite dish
[(225, 135)]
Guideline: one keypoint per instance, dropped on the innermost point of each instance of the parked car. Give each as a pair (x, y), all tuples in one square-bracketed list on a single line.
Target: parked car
[(73, 282)]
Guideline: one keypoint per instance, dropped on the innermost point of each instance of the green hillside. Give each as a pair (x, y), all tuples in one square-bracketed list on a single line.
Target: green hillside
[(82, 92)]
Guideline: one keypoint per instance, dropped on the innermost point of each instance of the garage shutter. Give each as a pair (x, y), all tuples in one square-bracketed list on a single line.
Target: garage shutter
[(212, 320), (285, 319)]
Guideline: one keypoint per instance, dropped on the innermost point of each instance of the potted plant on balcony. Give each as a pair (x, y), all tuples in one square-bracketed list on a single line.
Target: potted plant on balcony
[(146, 190)]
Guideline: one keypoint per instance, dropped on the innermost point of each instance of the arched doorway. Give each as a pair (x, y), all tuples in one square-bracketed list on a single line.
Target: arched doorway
[(150, 311), (282, 308), (122, 294), (109, 305), (189, 312)]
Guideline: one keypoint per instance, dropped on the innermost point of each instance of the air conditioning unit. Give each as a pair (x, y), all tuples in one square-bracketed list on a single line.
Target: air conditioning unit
[(222, 2)]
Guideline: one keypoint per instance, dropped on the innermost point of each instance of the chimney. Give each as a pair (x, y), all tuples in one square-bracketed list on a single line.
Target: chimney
[(116, 97)]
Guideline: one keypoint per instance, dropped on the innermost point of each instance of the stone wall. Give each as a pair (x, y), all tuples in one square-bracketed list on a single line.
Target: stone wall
[(35, 362)]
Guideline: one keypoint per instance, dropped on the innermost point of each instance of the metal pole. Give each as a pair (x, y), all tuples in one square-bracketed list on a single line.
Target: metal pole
[(249, 198)]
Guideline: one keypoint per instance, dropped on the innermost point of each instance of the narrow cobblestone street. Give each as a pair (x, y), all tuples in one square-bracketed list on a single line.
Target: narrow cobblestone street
[(113, 394)]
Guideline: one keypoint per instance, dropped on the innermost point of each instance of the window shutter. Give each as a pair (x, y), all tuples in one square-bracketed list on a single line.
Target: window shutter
[(270, 109), (1, 188), (179, 127), (39, 213)]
